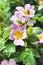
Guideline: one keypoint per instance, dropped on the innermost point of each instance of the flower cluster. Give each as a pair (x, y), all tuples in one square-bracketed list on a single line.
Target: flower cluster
[(20, 20), (23, 36), (23, 15)]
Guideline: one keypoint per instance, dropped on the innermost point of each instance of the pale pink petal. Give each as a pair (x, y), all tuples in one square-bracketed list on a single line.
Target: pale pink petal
[(24, 35), (4, 62), (12, 31), (42, 32), (32, 12), (23, 19), (22, 28), (13, 18), (27, 6), (11, 37), (30, 23), (18, 42), (19, 8), (41, 41), (12, 62), (27, 18), (31, 7), (15, 26), (18, 14)]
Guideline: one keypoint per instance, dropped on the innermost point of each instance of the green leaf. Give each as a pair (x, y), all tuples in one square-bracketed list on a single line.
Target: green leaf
[(29, 30), (37, 30), (36, 53), (29, 60), (21, 56), (2, 44), (36, 17), (10, 48), (2, 24), (0, 31), (33, 38), (6, 33)]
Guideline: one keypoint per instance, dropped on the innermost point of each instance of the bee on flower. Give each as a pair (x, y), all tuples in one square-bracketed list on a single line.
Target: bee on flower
[(18, 33)]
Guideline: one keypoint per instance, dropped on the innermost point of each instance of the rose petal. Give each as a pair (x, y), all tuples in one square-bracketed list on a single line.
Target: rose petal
[(11, 37), (41, 41), (24, 35), (23, 27), (18, 42), (12, 31), (12, 18), (23, 19), (32, 12), (42, 32), (31, 7), (18, 14), (15, 26), (30, 23), (27, 6), (19, 8)]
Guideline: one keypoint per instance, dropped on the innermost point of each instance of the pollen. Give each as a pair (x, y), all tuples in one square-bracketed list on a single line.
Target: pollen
[(26, 12), (18, 34)]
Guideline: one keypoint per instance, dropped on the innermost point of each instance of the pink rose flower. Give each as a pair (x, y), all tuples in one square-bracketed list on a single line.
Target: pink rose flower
[(19, 19), (28, 10), (18, 33)]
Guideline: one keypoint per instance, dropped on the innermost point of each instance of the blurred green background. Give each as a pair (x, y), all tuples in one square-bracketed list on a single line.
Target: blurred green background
[(7, 9)]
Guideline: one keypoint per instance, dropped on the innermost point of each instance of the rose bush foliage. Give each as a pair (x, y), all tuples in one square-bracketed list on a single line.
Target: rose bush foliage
[(20, 40)]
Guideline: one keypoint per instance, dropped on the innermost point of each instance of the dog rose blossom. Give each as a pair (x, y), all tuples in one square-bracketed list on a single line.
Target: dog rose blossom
[(19, 19), (18, 33), (28, 10)]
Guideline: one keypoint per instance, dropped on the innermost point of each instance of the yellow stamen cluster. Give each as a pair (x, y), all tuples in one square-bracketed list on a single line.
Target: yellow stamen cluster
[(26, 12), (18, 34)]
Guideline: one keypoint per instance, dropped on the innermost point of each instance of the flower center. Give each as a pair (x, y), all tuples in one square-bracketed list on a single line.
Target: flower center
[(26, 12), (40, 36), (18, 34), (18, 20)]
